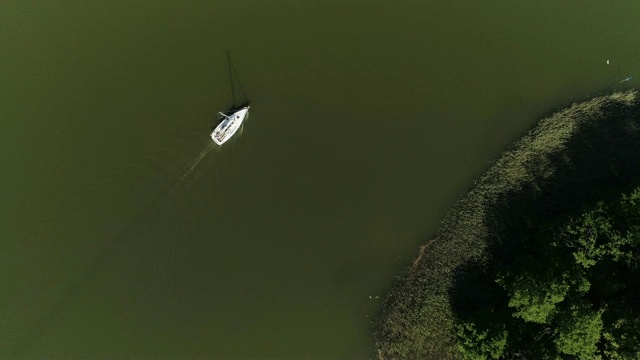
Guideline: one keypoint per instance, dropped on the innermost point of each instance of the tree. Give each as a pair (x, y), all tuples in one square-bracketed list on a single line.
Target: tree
[(481, 338), (573, 292), (621, 333), (534, 300), (593, 237), (579, 331), (534, 297)]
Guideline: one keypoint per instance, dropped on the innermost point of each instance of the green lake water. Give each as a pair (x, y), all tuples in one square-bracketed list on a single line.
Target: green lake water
[(125, 233)]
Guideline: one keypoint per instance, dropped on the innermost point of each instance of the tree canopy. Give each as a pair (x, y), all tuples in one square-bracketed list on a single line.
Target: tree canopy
[(573, 292)]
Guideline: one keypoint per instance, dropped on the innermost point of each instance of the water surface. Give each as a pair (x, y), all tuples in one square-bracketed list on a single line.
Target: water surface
[(125, 234)]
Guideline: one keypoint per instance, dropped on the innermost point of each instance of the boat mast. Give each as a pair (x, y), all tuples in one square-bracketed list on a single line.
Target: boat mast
[(233, 95), (233, 69)]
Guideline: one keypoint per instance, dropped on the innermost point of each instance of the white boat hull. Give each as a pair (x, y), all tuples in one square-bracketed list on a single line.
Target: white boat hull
[(229, 126)]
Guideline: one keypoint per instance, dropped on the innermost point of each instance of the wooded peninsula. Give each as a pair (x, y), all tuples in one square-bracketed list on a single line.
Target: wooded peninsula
[(540, 258)]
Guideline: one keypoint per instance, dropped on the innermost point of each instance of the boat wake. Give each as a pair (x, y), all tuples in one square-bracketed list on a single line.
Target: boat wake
[(193, 164), (112, 249)]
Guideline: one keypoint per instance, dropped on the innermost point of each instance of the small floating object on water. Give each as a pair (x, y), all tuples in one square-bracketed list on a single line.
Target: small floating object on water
[(628, 78), (607, 62)]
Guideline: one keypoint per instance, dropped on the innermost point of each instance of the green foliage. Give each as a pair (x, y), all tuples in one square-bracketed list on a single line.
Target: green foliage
[(621, 334), (593, 237), (534, 300), (579, 330), (630, 207), (574, 300), (481, 344)]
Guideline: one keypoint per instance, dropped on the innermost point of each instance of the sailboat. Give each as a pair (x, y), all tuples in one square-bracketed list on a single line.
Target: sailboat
[(231, 119)]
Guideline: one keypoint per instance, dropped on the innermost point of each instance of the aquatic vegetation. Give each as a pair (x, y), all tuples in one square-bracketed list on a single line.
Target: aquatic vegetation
[(516, 215)]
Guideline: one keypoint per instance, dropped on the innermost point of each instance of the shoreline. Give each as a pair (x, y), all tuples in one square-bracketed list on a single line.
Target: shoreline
[(562, 162)]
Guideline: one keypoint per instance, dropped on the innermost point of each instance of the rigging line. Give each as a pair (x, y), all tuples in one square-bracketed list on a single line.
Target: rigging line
[(233, 95), (246, 99)]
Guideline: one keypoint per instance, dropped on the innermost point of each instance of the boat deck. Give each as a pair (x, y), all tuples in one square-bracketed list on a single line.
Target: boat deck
[(228, 127)]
